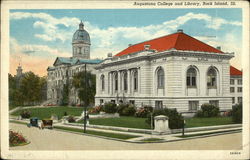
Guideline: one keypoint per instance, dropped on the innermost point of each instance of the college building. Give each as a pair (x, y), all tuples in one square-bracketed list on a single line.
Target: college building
[(236, 85), (173, 71), (64, 68)]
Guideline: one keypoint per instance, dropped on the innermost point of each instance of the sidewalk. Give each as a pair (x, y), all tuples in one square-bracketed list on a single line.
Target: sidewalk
[(144, 136)]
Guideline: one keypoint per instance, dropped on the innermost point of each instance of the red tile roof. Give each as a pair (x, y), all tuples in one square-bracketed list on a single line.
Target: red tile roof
[(235, 71), (179, 41)]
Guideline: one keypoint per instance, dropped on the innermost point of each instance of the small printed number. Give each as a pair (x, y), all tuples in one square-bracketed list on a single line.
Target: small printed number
[(234, 152)]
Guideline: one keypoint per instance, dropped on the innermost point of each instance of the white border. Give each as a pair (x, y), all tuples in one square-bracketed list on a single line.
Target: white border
[(131, 154)]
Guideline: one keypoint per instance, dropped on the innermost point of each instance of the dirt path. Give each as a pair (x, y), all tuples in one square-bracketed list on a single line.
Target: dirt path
[(58, 140)]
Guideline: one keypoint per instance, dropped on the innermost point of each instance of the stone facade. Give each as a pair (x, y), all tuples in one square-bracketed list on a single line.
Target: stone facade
[(236, 85), (174, 78), (64, 68)]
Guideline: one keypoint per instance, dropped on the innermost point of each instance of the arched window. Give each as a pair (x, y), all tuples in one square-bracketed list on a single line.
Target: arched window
[(211, 78), (79, 50), (135, 78), (102, 82), (191, 77), (116, 81), (125, 81), (160, 78)]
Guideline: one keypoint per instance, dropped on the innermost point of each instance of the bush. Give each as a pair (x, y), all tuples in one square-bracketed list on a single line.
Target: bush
[(237, 113), (25, 114), (208, 110), (129, 111), (121, 107), (71, 119), (110, 108), (144, 111), (16, 138), (65, 114), (175, 118), (95, 110)]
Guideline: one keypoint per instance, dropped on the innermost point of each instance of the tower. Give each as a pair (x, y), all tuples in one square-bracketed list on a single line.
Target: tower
[(81, 43), (19, 71)]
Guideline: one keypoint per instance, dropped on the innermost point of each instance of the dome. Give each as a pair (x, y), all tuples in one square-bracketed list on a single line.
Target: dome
[(81, 35)]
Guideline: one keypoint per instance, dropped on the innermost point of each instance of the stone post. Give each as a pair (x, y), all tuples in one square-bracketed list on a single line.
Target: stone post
[(161, 125)]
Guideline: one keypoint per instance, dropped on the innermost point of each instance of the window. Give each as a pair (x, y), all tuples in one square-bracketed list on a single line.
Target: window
[(240, 81), (231, 81), (211, 78), (113, 101), (116, 82), (135, 80), (132, 102), (191, 77), (102, 82), (231, 89), (214, 102), (125, 81), (239, 89), (158, 105), (160, 78), (239, 99), (233, 100), (193, 105), (101, 101), (79, 50)]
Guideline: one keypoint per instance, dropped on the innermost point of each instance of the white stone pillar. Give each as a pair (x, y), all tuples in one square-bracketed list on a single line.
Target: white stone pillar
[(129, 81), (139, 80), (161, 125), (119, 82)]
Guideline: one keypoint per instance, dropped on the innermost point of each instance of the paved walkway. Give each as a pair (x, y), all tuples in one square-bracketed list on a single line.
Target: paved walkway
[(58, 140)]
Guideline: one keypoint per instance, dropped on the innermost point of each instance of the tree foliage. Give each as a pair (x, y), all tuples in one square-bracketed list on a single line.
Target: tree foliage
[(27, 89), (237, 113), (85, 85)]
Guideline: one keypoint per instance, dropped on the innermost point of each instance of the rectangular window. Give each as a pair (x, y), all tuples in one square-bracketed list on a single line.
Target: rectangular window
[(132, 102), (239, 89), (231, 89), (193, 105), (240, 81), (231, 81), (214, 102), (239, 99), (101, 101), (158, 105), (112, 101), (233, 100)]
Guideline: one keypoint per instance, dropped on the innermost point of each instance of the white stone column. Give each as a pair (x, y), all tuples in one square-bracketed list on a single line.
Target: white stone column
[(139, 80), (119, 82), (161, 125), (129, 80)]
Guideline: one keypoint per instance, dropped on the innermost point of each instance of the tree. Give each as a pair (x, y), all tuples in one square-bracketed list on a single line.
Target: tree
[(65, 94), (79, 83)]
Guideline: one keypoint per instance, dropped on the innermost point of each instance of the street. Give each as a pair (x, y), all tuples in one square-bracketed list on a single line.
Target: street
[(58, 140)]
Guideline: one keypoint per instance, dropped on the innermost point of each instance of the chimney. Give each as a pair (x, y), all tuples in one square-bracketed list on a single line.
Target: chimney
[(130, 45), (218, 47), (109, 55), (180, 30), (146, 47)]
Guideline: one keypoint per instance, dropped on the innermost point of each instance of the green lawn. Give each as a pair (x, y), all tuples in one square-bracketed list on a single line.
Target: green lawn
[(213, 121), (43, 113), (129, 122), (97, 133)]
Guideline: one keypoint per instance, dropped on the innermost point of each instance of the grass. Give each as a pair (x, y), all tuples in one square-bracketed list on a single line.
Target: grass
[(209, 133), (212, 121), (45, 113), (152, 139), (20, 144), (129, 122), (12, 107), (97, 133)]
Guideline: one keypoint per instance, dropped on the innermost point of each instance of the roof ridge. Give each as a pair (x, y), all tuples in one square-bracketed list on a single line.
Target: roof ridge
[(177, 38)]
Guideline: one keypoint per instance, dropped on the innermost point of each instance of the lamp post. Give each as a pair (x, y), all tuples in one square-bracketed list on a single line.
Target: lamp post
[(85, 108), (184, 122)]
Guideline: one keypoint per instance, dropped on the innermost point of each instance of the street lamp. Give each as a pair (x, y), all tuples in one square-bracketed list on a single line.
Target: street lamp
[(85, 108)]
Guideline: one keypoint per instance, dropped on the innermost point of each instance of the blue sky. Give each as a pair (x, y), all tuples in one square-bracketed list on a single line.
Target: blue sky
[(39, 36)]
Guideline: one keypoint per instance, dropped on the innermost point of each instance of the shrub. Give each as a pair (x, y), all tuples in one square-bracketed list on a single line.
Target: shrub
[(110, 108), (95, 110), (237, 113), (144, 111), (16, 138), (175, 118), (25, 114), (65, 114), (208, 110), (121, 107), (129, 111), (71, 119)]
